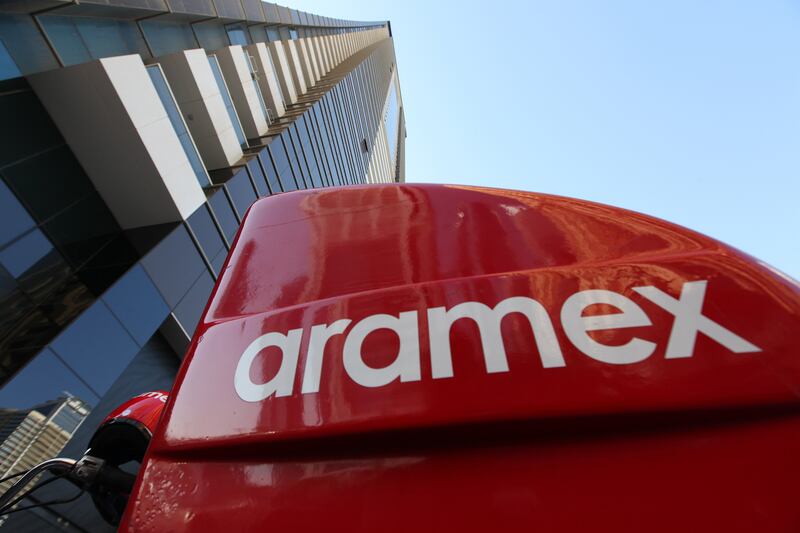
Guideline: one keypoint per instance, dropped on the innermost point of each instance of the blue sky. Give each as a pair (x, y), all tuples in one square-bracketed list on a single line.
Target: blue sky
[(685, 110)]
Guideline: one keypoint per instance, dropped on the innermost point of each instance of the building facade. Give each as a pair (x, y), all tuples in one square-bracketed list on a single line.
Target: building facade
[(135, 135)]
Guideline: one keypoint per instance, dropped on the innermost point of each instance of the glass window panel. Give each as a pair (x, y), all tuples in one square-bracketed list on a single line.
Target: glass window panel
[(45, 378), (108, 265), (20, 256), (191, 307), (241, 191), (67, 301), (173, 265), (206, 231), (305, 175), (14, 219), (225, 214), (34, 131), (272, 174), (285, 175), (273, 35), (279, 156), (237, 36), (308, 152), (27, 337), (107, 37), (96, 347), (81, 230), (219, 260), (258, 177), (79, 39), (211, 35), (226, 97), (26, 44), (65, 38), (8, 68), (167, 37), (137, 304), (165, 95), (14, 304), (293, 164), (44, 276), (49, 182)]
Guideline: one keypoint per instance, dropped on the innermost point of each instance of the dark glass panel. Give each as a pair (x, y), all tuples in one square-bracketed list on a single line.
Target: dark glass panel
[(173, 265), (259, 180), (137, 304), (26, 44), (206, 231), (211, 35), (28, 336), (49, 182), (224, 213), (22, 113), (241, 190), (188, 311), (106, 267), (272, 175), (219, 260), (293, 164), (46, 275), (8, 68), (67, 301), (81, 230), (284, 168), (14, 219), (96, 347), (146, 238), (45, 378), (21, 255), (14, 303), (79, 39), (296, 157), (65, 38), (166, 37)]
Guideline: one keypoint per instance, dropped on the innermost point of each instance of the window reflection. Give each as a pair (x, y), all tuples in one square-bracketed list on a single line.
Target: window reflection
[(21, 255), (8, 68)]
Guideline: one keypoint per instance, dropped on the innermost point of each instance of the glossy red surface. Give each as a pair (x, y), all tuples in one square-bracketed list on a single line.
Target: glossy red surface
[(144, 409), (700, 431)]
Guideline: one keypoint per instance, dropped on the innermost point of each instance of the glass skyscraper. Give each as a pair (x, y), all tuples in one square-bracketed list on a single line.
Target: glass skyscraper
[(135, 135)]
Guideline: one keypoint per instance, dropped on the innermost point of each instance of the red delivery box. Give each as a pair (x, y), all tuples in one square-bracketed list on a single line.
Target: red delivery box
[(433, 357)]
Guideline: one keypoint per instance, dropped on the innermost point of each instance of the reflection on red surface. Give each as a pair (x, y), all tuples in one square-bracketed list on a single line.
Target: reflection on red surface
[(651, 445)]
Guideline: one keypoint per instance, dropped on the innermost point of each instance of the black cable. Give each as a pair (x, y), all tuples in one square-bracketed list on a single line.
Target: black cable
[(45, 504), (21, 497), (12, 476)]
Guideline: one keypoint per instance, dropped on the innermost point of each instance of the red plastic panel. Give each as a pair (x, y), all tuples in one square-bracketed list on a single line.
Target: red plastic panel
[(514, 332)]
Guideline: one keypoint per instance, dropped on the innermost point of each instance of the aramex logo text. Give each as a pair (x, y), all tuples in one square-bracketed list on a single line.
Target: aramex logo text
[(688, 322)]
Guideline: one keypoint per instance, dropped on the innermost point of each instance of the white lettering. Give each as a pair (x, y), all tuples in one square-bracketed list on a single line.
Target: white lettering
[(406, 364), (316, 347), (283, 382), (489, 320), (689, 320), (576, 325)]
